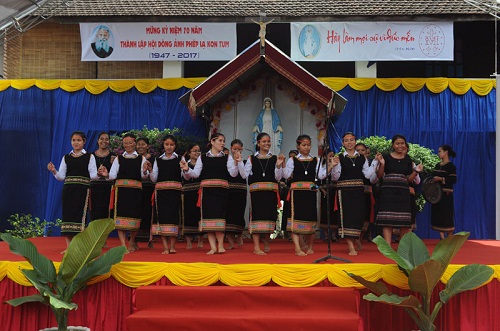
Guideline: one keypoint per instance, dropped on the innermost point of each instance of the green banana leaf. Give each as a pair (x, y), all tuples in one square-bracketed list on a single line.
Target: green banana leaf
[(413, 249), (29, 298), (409, 301), (84, 247), (446, 249), (378, 288), (387, 251), (424, 277), (466, 278), (46, 272)]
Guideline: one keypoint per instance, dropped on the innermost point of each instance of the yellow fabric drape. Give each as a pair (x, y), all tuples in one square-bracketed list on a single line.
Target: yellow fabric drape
[(436, 85), (135, 274)]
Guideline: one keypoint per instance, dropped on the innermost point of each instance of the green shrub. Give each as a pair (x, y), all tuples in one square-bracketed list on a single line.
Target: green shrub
[(25, 226)]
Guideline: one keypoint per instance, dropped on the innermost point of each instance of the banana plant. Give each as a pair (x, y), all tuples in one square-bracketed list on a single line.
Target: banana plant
[(82, 261), (424, 272)]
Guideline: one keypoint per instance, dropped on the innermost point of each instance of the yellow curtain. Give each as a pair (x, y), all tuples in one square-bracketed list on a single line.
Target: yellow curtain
[(436, 85), (135, 274)]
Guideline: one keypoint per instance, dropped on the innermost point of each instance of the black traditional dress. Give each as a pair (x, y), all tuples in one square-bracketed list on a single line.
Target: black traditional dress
[(128, 194), (190, 211), (394, 205), (148, 187), (75, 194), (264, 195), (443, 212), (303, 198), (236, 205), (351, 196), (213, 193), (168, 191), (100, 190)]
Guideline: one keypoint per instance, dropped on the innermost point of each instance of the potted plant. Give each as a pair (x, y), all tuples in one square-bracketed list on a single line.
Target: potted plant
[(424, 272), (82, 261)]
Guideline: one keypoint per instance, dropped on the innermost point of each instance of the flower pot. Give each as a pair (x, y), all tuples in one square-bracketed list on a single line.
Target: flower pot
[(70, 328)]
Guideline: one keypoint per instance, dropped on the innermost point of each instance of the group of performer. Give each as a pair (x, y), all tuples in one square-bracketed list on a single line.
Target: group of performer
[(199, 194)]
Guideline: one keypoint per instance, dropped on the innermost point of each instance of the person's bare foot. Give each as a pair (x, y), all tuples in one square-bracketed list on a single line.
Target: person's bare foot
[(354, 252), (131, 249), (300, 253), (240, 241), (172, 251), (211, 252), (165, 251), (310, 251), (230, 246), (189, 245), (63, 252), (221, 250), (267, 249), (150, 244), (259, 252), (200, 244), (359, 246)]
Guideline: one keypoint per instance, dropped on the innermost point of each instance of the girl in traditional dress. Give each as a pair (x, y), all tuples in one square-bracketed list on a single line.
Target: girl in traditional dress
[(128, 170), (443, 212), (190, 211), (144, 233), (76, 170), (264, 172), (305, 170), (167, 176), (100, 189), (350, 169), (235, 217), (394, 205), (214, 169)]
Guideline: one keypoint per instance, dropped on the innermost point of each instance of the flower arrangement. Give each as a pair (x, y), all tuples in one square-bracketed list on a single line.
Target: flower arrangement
[(155, 138)]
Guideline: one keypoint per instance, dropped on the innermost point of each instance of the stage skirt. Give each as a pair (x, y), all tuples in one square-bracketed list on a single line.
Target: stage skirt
[(237, 202), (75, 197), (352, 206), (303, 200), (144, 233), (443, 212), (264, 207), (100, 191), (394, 202), (167, 208), (128, 204), (191, 212), (213, 195)]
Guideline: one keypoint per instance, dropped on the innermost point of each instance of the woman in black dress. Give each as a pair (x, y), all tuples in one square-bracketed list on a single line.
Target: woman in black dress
[(76, 170), (214, 169), (443, 212), (144, 233), (100, 189), (394, 204)]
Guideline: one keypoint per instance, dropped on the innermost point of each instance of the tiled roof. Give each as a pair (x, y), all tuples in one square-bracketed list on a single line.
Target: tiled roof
[(284, 9)]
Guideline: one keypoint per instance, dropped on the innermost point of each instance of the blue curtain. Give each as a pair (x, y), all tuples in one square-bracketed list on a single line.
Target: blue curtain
[(35, 128), (466, 122)]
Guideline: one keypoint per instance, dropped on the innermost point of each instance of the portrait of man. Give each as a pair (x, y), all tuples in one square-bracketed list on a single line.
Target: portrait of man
[(102, 46)]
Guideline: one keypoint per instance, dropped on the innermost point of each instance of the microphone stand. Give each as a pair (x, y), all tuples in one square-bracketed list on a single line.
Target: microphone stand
[(328, 214)]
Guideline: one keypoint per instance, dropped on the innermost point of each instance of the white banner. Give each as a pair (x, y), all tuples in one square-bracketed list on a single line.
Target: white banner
[(158, 41), (372, 41)]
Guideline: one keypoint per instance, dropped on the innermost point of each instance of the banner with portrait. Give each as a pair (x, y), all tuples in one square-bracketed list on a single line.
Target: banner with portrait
[(158, 41), (372, 41)]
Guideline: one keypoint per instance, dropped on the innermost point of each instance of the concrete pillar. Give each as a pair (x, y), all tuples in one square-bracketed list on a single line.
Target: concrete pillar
[(361, 70), (173, 69)]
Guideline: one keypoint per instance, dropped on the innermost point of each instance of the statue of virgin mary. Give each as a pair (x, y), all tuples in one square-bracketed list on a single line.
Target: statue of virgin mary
[(268, 121)]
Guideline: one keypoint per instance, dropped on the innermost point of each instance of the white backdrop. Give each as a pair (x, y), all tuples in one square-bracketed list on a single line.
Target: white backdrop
[(239, 122)]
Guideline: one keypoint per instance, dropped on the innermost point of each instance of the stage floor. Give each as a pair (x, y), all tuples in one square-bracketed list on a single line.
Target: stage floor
[(473, 251)]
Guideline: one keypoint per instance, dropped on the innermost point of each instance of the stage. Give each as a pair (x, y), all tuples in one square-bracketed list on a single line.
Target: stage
[(106, 303)]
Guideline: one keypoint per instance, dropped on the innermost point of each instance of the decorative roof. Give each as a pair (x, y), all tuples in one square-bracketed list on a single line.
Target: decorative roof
[(285, 10)]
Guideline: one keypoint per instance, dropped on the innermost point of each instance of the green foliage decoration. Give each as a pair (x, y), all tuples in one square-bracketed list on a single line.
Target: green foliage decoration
[(424, 272), (155, 138), (25, 226), (82, 261)]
